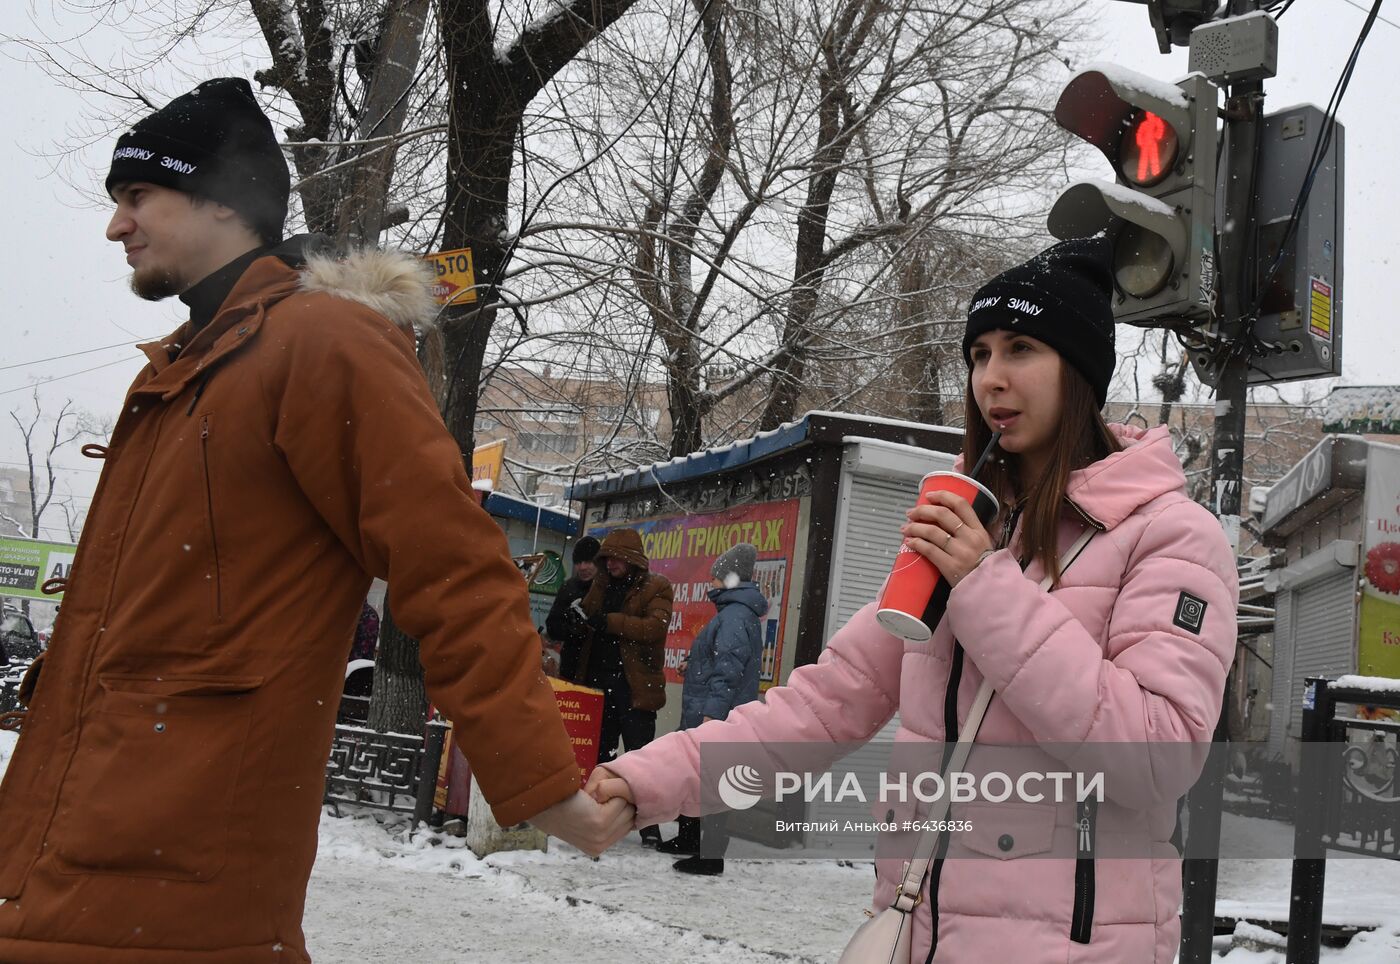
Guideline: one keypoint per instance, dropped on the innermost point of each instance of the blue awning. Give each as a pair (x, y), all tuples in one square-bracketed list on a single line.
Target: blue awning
[(509, 507)]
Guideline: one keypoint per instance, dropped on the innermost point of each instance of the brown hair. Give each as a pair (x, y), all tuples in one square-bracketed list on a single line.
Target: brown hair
[(1041, 507)]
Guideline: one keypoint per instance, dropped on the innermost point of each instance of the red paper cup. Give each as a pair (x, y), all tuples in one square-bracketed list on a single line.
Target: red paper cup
[(915, 594)]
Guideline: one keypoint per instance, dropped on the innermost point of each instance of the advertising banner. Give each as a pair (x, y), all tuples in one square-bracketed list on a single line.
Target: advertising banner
[(25, 564), (683, 548), (1379, 645), (455, 276), (487, 461), (582, 710)]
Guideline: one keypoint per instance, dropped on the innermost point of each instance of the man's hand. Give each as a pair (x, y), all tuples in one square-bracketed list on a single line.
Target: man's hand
[(589, 825)]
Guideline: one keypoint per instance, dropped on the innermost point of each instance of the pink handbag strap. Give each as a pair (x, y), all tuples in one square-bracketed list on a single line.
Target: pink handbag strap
[(909, 892)]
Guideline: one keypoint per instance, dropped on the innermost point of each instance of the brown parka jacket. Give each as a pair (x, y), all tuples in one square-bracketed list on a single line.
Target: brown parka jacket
[(642, 624), (162, 801)]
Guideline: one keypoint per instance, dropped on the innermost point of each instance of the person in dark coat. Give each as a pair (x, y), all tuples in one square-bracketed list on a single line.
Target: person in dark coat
[(722, 673), (565, 623), (366, 633), (628, 610)]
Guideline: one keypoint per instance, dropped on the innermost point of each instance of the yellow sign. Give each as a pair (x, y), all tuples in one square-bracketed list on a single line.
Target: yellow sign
[(1320, 309), (487, 461), (456, 278)]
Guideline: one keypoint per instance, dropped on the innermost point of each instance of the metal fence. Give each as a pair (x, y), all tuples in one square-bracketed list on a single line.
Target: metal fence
[(10, 678), (1358, 813), (385, 771)]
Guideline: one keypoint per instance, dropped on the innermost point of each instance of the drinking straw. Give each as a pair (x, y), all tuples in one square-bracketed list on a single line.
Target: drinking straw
[(986, 452)]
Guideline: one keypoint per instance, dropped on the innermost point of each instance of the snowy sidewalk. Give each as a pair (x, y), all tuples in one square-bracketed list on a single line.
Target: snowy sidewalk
[(372, 895)]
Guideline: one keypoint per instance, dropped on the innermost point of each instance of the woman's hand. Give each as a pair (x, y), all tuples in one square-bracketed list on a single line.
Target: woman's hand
[(946, 532), (604, 785)]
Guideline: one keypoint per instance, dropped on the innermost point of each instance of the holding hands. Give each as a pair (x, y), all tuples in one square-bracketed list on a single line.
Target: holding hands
[(946, 531), (590, 823)]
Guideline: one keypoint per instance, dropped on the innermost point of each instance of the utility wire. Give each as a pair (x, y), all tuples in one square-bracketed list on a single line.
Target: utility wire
[(1319, 153), (65, 468), (73, 354), (1358, 6), (59, 378)]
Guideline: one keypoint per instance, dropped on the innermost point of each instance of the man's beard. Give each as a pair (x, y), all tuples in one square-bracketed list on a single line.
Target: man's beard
[(155, 284)]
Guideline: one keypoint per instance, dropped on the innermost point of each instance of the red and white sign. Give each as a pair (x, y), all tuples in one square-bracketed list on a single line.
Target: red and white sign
[(683, 548)]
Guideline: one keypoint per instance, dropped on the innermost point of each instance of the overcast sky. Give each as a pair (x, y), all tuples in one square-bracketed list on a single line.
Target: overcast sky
[(65, 286)]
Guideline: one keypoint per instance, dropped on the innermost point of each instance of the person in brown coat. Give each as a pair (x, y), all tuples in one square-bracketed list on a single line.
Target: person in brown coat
[(628, 609), (279, 450)]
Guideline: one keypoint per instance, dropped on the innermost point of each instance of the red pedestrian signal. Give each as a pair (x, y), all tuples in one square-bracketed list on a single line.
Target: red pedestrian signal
[(1149, 149)]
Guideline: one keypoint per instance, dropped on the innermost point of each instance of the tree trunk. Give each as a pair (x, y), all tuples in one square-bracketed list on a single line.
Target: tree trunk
[(366, 184), (398, 703), (809, 271), (487, 99), (303, 51), (687, 415)]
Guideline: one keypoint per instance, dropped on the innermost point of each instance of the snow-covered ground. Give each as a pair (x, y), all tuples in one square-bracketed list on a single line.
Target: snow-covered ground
[(378, 893), (630, 906)]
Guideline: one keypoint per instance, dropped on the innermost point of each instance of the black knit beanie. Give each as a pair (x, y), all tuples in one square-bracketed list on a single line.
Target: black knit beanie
[(214, 142), (1063, 297), (585, 550)]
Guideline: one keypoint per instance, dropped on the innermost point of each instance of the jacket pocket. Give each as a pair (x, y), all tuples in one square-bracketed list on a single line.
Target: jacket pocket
[(150, 790), (216, 575), (1006, 831)]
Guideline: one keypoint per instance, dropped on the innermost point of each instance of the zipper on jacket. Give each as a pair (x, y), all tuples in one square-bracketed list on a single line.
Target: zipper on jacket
[(1085, 820), (198, 391), (209, 514)]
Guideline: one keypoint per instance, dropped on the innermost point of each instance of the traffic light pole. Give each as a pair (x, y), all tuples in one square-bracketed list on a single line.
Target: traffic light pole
[(1237, 238)]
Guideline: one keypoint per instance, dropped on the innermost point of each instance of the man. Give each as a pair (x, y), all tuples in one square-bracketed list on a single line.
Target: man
[(628, 609), (565, 624), (279, 450), (721, 673)]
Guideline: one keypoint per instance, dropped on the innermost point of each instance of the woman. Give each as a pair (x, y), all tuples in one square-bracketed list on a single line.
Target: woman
[(1130, 646)]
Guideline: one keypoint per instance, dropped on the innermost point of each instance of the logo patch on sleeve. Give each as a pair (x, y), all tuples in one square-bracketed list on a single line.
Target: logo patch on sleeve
[(1190, 612)]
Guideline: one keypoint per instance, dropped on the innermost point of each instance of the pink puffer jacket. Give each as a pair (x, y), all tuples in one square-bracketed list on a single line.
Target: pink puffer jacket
[(1117, 654)]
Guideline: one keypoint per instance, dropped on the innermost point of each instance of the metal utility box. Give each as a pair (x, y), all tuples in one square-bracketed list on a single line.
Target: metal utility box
[(1299, 327), (1236, 49), (1301, 309)]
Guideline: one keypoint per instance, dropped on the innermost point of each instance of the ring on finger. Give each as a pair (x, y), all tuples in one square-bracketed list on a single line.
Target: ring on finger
[(947, 541), (959, 525)]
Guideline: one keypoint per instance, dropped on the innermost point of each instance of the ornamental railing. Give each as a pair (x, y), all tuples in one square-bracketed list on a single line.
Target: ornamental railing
[(1347, 795), (385, 771)]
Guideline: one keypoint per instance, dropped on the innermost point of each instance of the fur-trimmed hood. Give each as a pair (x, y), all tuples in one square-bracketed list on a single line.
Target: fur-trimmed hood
[(393, 283)]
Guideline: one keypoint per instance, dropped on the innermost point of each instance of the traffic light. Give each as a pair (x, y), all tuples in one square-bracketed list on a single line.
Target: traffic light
[(1160, 213)]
